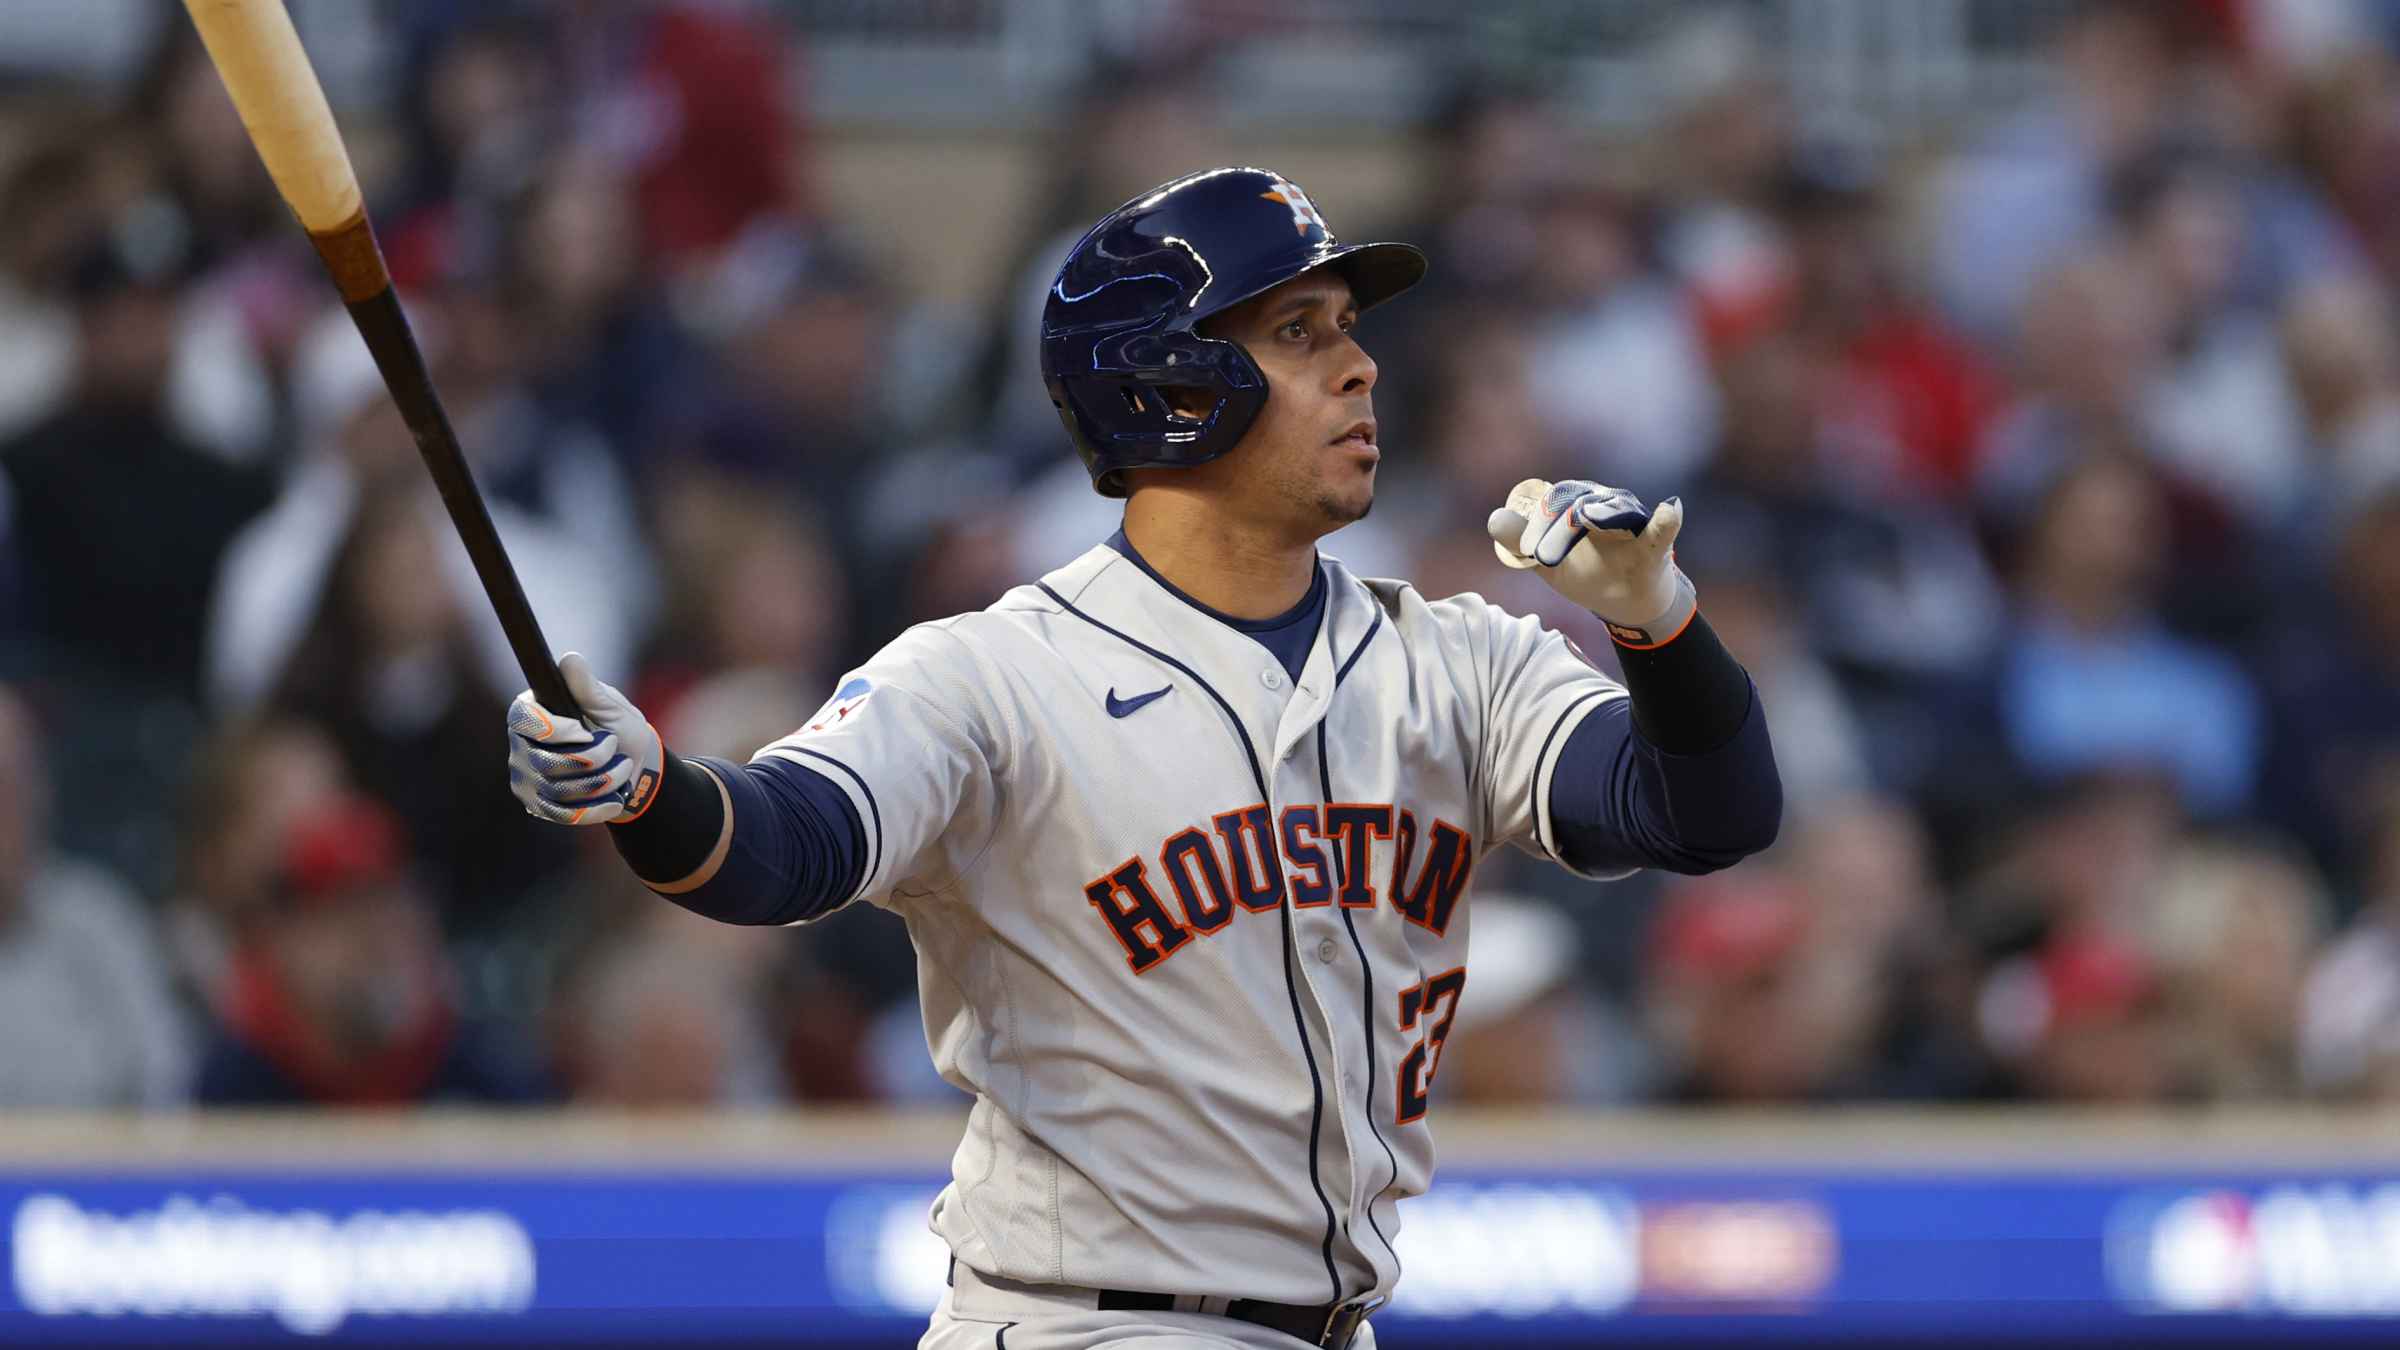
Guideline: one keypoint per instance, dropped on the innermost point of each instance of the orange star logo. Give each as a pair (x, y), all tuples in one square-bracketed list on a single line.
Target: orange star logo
[(1304, 211)]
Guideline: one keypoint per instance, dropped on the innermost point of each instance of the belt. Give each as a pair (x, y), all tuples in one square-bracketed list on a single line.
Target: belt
[(1331, 1326)]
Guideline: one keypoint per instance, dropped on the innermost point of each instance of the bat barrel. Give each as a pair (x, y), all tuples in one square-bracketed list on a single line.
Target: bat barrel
[(256, 50)]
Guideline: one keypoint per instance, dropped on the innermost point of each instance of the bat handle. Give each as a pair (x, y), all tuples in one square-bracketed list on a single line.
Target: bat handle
[(351, 254)]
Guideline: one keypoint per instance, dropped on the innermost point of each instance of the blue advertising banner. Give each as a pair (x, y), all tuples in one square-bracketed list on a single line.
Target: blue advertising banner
[(1492, 1258)]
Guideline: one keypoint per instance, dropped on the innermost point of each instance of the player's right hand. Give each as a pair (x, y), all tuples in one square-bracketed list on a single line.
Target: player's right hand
[(603, 767), (1599, 547)]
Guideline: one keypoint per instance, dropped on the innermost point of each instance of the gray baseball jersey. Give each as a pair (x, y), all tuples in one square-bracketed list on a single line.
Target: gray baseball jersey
[(1192, 932)]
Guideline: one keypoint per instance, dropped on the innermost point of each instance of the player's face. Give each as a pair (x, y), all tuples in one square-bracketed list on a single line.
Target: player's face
[(1309, 460)]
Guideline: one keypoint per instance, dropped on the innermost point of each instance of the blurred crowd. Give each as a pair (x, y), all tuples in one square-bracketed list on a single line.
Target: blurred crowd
[(2044, 470)]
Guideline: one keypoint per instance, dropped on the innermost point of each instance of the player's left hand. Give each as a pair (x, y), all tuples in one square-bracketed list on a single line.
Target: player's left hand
[(1600, 548), (590, 771)]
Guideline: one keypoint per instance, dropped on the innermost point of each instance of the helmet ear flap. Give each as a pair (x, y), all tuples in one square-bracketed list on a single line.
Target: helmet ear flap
[(1129, 418)]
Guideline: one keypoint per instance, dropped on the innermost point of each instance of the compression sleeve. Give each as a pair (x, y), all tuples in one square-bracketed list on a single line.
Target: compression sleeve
[(770, 842), (1680, 775)]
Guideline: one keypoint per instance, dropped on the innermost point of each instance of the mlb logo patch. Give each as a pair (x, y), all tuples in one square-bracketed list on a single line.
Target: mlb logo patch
[(845, 703)]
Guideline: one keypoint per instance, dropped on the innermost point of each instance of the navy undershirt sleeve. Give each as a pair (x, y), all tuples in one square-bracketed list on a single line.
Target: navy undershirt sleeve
[(798, 849), (1618, 799)]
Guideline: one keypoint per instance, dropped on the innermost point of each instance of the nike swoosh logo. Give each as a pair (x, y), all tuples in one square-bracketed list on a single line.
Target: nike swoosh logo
[(1127, 707)]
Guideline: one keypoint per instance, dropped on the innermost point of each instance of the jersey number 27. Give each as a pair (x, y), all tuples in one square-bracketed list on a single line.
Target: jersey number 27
[(1435, 1003)]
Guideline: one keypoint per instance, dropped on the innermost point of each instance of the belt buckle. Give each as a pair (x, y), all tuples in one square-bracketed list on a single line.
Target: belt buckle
[(1341, 1324)]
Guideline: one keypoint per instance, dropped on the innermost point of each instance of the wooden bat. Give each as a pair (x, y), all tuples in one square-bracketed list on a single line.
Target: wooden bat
[(257, 52)]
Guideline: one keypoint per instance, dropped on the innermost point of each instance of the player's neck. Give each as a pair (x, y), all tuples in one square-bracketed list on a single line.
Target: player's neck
[(1230, 566)]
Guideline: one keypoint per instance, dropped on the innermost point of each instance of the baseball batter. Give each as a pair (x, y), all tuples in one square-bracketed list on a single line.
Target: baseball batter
[(1184, 831)]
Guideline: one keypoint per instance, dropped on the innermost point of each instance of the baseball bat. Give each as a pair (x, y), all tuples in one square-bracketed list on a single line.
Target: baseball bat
[(258, 54)]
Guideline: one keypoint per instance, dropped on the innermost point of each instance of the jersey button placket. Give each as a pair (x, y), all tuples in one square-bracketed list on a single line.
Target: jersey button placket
[(1325, 950), (1271, 678)]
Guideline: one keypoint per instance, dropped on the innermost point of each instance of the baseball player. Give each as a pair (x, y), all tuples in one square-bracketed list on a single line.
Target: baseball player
[(1183, 831)]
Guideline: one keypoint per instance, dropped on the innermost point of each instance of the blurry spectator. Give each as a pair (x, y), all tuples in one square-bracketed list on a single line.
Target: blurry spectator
[(480, 112), (2091, 679), (2350, 1027), (2224, 417), (45, 206), (1620, 377), (2334, 672), (1904, 399), (653, 1024), (1481, 432), (2087, 353), (2086, 852), (2081, 1020), (2342, 342), (2131, 76), (756, 585), (1891, 588), (698, 101), (551, 465), (598, 344), (1510, 1037), (2029, 191), (65, 200), (2349, 1022), (361, 457), (91, 1021), (2346, 138), (386, 666), (248, 784), (1492, 149), (1828, 977), (205, 158), (800, 331), (1723, 150), (339, 992), (255, 285), (1731, 997), (120, 516), (2234, 927), (1885, 955)]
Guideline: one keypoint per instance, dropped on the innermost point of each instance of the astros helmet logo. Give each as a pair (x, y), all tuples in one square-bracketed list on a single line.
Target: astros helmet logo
[(1304, 212)]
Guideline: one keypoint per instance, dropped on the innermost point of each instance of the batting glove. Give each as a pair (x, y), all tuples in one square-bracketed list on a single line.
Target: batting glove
[(586, 771), (1601, 549)]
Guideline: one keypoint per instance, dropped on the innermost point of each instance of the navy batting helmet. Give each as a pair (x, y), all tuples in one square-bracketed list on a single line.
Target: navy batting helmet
[(1120, 318)]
